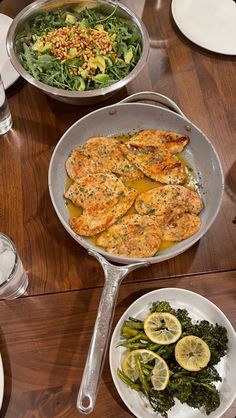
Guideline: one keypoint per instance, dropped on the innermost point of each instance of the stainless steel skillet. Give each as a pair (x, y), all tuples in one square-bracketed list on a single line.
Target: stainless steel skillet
[(121, 118)]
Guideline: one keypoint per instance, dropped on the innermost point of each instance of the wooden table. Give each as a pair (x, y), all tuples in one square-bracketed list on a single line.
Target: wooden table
[(46, 333)]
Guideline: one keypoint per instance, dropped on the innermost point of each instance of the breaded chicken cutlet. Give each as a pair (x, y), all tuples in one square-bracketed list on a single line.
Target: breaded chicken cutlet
[(101, 155), (158, 165), (167, 212), (103, 198), (169, 200), (152, 150), (132, 236), (173, 142)]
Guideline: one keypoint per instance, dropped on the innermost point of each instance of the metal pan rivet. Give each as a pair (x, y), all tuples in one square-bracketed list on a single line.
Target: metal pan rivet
[(188, 128), (112, 112)]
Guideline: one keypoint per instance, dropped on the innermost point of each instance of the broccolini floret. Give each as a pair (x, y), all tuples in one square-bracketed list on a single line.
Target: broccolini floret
[(196, 389)]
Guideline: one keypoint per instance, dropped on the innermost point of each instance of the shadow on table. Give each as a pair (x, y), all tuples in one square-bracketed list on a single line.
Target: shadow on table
[(230, 182), (7, 376), (16, 87), (43, 119), (67, 114)]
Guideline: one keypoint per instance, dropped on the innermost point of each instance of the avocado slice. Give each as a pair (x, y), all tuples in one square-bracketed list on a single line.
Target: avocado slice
[(83, 5), (39, 46), (70, 19), (84, 74), (99, 27), (108, 60), (82, 84), (97, 62), (101, 78), (74, 62), (72, 52), (83, 24), (128, 56)]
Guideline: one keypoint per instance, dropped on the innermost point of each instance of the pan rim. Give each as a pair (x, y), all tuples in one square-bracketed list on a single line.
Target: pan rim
[(162, 255)]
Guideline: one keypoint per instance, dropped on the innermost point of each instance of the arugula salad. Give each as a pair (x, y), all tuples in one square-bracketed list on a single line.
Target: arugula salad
[(78, 48), (170, 357)]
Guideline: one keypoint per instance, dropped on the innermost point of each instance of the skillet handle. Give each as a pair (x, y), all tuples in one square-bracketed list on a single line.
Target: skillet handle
[(99, 342), (155, 97)]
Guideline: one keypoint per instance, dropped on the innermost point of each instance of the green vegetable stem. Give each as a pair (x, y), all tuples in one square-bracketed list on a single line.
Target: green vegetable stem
[(196, 389)]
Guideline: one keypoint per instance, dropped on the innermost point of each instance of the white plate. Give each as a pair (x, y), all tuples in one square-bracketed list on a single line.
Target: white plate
[(210, 24), (198, 308), (8, 72)]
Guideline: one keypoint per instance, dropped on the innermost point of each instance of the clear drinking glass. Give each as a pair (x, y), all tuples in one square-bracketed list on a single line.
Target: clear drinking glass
[(5, 114), (13, 277)]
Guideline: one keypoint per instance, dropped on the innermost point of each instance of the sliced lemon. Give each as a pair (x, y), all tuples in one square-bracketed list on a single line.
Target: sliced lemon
[(162, 328), (160, 373), (192, 353), (128, 363)]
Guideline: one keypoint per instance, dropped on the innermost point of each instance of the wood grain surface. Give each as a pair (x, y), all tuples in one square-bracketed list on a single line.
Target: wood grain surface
[(46, 333), (44, 342), (202, 83)]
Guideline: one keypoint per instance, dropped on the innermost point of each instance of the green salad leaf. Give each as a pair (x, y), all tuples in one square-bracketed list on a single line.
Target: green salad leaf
[(76, 48)]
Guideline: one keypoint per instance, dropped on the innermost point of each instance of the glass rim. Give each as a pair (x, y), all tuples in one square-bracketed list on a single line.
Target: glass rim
[(11, 275)]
